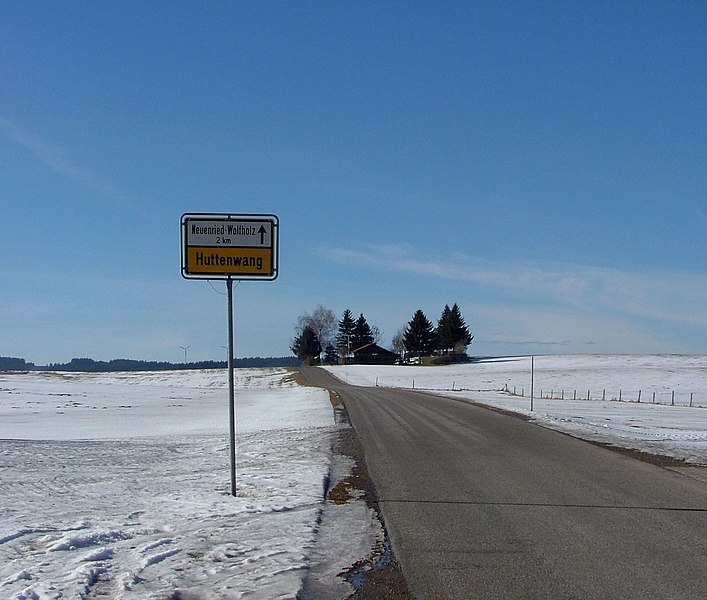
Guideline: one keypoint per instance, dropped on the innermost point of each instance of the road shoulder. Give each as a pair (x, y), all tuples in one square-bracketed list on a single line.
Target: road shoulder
[(351, 506)]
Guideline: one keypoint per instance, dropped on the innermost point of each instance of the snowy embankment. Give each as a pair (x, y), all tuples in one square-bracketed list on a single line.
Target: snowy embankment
[(562, 385), (117, 485)]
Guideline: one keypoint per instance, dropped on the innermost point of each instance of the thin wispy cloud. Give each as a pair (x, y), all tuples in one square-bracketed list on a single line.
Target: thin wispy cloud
[(57, 159), (530, 342), (667, 296), (551, 328)]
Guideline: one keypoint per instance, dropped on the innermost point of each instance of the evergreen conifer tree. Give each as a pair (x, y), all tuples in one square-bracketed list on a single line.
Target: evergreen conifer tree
[(306, 345), (462, 336), (362, 333), (452, 332), (419, 336), (445, 334), (347, 325)]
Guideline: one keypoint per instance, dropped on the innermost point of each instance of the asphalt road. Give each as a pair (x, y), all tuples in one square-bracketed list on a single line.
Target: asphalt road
[(483, 505)]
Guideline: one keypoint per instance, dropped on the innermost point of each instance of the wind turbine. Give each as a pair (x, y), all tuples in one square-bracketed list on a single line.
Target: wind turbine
[(185, 352)]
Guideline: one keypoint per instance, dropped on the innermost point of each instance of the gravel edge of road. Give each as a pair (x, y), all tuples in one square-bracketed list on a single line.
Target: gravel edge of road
[(378, 576)]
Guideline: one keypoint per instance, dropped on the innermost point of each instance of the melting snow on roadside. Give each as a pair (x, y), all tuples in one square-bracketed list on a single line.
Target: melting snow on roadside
[(679, 431), (117, 485)]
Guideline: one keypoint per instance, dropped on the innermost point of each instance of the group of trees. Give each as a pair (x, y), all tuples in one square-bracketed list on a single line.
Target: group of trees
[(421, 338), (320, 332), (312, 334), (354, 333), (10, 363)]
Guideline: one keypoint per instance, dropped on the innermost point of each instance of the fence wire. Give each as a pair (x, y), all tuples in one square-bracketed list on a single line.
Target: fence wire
[(642, 396)]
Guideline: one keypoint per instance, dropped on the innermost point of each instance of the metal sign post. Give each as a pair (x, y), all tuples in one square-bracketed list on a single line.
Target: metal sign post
[(532, 380), (226, 246), (231, 389)]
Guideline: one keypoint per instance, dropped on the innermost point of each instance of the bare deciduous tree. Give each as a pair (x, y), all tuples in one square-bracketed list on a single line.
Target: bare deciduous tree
[(322, 321)]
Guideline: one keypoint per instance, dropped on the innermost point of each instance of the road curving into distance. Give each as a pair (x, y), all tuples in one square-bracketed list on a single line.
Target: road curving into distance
[(484, 505)]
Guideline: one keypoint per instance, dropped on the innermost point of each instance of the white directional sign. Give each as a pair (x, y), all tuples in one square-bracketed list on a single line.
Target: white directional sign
[(221, 246)]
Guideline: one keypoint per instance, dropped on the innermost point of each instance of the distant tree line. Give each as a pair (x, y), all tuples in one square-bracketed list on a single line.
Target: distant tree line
[(123, 364), (320, 333), (9, 363)]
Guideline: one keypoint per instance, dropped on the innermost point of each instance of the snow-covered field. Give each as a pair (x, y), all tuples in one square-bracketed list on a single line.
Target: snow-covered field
[(679, 431), (117, 485)]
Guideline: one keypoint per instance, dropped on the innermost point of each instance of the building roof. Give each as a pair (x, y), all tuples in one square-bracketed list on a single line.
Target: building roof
[(374, 349)]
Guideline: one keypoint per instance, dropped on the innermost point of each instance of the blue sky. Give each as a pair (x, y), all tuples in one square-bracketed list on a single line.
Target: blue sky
[(542, 164)]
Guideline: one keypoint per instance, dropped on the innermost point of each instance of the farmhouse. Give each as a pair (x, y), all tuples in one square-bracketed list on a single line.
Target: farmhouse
[(373, 354)]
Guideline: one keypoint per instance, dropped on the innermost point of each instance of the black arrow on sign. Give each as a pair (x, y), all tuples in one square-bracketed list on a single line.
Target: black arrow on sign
[(262, 231)]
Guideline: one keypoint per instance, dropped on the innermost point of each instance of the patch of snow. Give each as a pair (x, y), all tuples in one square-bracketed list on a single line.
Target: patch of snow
[(118, 485)]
